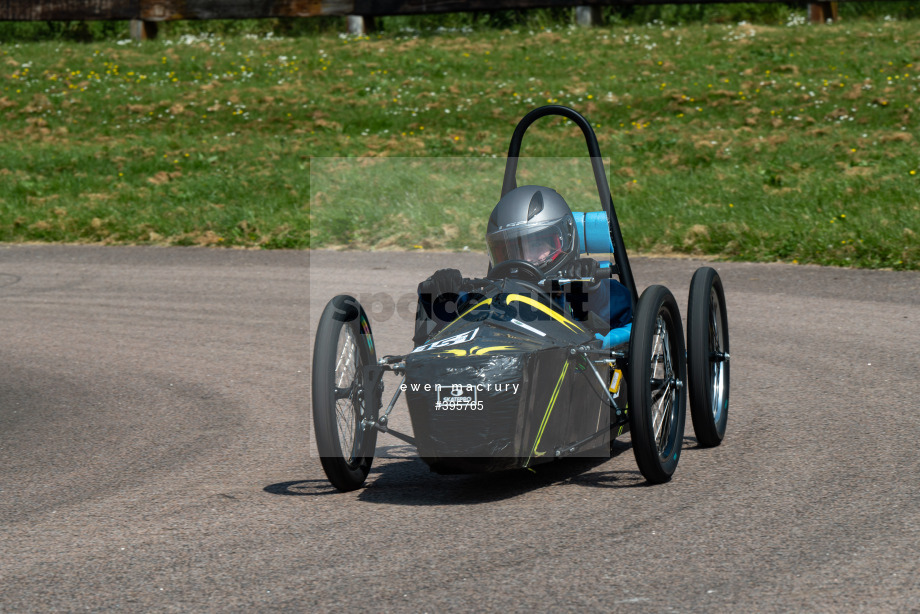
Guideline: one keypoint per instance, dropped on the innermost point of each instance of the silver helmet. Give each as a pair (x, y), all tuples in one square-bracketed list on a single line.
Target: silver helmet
[(535, 224)]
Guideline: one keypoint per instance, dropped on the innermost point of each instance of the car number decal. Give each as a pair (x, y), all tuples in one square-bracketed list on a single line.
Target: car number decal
[(443, 343)]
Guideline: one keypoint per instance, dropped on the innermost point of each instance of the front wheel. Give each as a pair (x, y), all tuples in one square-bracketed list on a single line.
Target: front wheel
[(707, 357), (657, 371), (341, 401)]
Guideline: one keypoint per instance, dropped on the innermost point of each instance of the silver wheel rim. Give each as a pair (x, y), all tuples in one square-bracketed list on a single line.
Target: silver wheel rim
[(664, 386), (717, 356), (349, 406)]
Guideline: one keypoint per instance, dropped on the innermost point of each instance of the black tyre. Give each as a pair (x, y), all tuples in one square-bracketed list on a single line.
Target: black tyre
[(707, 357), (341, 402), (657, 371)]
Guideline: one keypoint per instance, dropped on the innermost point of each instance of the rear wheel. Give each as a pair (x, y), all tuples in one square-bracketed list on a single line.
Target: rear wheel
[(707, 357), (341, 402), (657, 371)]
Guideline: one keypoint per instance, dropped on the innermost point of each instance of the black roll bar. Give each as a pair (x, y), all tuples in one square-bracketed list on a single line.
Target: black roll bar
[(600, 178)]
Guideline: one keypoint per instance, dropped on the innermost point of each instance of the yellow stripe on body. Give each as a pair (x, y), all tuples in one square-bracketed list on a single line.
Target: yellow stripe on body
[(488, 301), (494, 348), (478, 351), (538, 305), (549, 410)]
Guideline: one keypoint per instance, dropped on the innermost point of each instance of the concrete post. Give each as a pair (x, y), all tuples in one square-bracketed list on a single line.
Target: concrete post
[(588, 15), (359, 25)]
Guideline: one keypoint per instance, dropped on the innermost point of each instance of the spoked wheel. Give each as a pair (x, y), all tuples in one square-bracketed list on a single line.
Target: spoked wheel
[(657, 371), (707, 357), (341, 401)]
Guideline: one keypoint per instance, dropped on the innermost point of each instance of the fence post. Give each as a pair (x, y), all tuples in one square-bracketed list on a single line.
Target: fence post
[(143, 30), (588, 15), (822, 12), (360, 25)]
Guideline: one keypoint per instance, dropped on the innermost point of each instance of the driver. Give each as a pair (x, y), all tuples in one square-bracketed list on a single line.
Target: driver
[(533, 224)]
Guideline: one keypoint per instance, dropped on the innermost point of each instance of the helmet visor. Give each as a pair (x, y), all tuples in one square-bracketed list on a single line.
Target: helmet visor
[(539, 245)]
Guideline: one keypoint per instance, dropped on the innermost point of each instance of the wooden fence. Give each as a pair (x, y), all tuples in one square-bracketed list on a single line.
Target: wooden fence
[(149, 12)]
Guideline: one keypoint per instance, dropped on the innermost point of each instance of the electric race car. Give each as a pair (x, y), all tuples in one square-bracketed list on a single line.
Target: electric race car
[(515, 380)]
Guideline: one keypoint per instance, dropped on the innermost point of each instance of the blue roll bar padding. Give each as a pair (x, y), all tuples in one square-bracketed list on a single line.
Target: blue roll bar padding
[(593, 232)]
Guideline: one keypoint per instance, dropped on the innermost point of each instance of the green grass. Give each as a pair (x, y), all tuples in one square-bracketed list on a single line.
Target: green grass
[(423, 203), (790, 142)]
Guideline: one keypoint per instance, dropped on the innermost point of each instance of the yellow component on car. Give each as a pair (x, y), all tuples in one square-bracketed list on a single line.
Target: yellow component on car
[(488, 301), (548, 311), (615, 381), (478, 351), (549, 410)]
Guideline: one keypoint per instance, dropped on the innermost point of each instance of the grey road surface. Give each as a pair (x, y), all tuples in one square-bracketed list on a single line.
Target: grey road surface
[(155, 450)]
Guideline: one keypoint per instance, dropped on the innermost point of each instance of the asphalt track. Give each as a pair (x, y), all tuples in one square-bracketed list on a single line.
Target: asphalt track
[(155, 439)]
